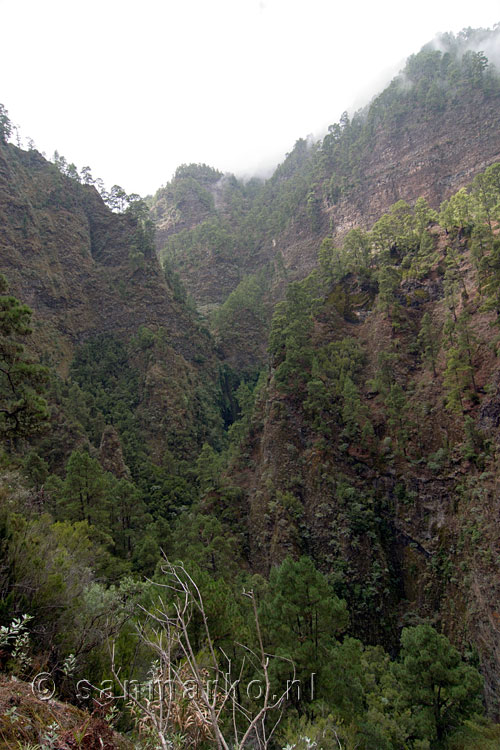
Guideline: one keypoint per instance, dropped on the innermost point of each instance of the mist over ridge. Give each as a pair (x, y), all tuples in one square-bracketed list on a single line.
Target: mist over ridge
[(486, 41)]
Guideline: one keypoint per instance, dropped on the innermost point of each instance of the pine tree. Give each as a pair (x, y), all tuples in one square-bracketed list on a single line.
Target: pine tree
[(23, 410), (301, 617), (459, 372), (428, 342), (457, 214), (5, 125), (126, 514), (424, 215), (388, 282), (208, 468), (352, 412), (425, 256), (452, 380), (396, 403), (291, 333), (86, 490), (440, 690), (357, 247)]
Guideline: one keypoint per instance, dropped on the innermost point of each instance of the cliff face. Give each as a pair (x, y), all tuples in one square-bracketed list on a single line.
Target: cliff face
[(406, 533), (72, 260), (429, 154), (423, 151), (406, 536), (87, 272)]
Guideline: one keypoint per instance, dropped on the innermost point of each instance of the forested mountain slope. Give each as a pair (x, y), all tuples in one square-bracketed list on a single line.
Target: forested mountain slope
[(372, 447), (427, 134), (91, 275), (325, 461), (373, 444)]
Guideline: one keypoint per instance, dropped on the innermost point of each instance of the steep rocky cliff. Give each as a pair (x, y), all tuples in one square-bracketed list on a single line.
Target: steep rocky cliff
[(421, 153), (64, 250), (357, 455), (86, 273)]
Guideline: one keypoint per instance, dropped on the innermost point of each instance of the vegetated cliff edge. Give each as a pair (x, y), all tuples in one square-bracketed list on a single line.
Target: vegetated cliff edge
[(64, 251), (86, 273), (374, 445), (422, 153)]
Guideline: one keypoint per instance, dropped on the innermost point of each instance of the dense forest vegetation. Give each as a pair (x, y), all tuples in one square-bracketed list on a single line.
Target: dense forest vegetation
[(270, 571)]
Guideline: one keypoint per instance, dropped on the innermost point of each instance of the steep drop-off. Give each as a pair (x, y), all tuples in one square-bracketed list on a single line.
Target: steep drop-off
[(87, 273), (373, 447)]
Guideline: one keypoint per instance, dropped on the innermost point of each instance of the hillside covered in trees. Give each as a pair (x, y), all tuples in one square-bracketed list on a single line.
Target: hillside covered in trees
[(250, 439)]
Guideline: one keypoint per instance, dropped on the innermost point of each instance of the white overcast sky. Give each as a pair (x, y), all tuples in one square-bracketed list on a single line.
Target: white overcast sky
[(134, 89)]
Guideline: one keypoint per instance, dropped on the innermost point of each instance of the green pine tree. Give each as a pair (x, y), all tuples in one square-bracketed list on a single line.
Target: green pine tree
[(23, 409), (428, 342), (440, 690)]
